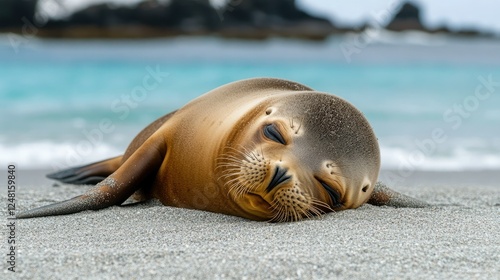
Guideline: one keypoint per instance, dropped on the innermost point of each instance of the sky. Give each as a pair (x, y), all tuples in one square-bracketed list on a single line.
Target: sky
[(456, 14)]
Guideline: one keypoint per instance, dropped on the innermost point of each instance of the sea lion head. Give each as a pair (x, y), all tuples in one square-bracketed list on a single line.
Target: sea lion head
[(300, 155)]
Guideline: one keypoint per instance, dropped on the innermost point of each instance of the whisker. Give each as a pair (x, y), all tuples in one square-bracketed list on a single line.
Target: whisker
[(232, 167), (316, 202)]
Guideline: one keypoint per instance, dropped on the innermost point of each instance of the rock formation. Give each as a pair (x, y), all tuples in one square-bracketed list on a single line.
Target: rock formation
[(251, 19), (407, 18), (14, 13)]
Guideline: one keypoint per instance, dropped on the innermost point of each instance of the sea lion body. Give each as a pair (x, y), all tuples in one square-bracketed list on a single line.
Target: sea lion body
[(262, 149)]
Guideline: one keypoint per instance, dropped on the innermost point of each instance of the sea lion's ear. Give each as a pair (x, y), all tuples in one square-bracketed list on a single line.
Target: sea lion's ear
[(382, 195)]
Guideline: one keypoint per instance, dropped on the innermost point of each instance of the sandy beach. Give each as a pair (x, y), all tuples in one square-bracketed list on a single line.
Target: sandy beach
[(459, 238)]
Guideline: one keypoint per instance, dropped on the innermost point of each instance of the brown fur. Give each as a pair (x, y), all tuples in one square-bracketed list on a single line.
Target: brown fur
[(213, 154)]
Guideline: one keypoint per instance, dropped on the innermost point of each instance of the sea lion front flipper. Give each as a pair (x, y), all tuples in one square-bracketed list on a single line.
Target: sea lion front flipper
[(89, 174), (116, 188), (382, 195)]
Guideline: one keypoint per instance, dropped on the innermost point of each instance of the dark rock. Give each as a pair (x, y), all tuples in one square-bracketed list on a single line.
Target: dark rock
[(264, 13), (239, 18), (12, 12), (180, 14), (407, 18), (263, 18), (250, 19), (192, 14)]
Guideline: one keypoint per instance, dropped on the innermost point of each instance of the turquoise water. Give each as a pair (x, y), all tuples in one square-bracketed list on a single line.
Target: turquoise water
[(55, 94)]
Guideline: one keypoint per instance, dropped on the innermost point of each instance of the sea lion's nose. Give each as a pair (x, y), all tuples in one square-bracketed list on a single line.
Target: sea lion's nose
[(280, 175)]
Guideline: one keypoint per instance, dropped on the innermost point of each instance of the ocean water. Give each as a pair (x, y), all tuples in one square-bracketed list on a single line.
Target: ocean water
[(433, 101)]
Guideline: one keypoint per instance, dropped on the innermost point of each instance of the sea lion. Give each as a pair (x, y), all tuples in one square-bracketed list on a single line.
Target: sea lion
[(263, 149)]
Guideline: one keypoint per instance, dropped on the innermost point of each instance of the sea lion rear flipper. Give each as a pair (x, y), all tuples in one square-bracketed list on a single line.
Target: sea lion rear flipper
[(382, 195), (87, 174), (116, 188)]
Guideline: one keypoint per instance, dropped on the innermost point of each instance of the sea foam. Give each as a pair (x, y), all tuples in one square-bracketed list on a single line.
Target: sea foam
[(56, 156)]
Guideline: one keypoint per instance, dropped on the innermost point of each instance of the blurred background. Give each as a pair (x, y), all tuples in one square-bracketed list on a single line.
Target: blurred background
[(79, 79)]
